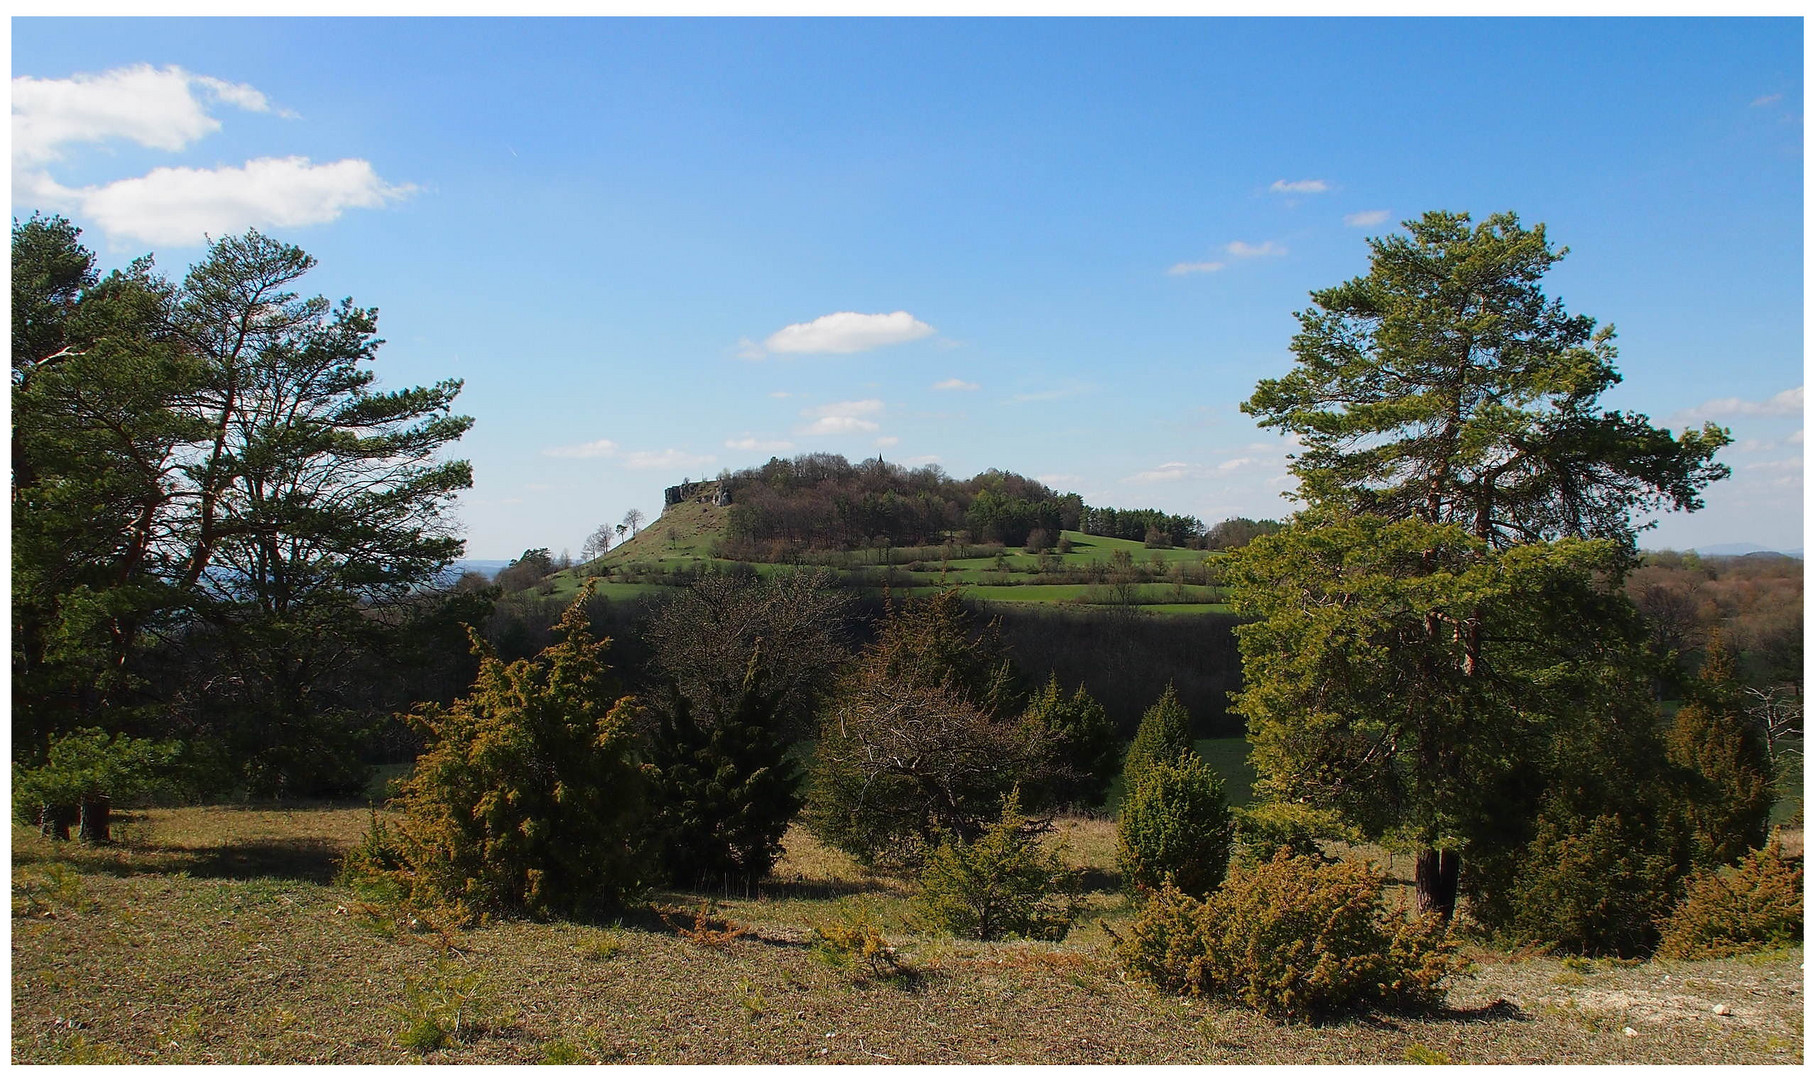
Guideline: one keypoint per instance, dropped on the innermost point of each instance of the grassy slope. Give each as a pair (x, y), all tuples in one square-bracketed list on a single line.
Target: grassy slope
[(683, 535), (217, 935)]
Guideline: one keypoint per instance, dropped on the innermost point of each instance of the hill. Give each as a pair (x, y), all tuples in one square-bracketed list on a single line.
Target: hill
[(694, 535)]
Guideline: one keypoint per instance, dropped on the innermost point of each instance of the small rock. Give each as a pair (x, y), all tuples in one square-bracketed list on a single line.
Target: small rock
[(1720, 1010), (1630, 1032)]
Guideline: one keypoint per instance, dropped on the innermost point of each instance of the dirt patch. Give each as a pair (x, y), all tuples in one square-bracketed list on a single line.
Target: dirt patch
[(132, 955)]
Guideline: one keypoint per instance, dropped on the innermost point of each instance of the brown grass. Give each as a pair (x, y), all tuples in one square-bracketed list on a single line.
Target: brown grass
[(218, 935)]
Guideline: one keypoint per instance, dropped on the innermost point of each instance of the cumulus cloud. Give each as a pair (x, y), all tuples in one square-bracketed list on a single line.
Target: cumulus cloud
[(1364, 218), (1195, 268), (1237, 463), (1785, 403), (842, 418), (1239, 249), (842, 332), (159, 108), (766, 446), (182, 205), (597, 448), (169, 109), (1298, 187), (955, 384)]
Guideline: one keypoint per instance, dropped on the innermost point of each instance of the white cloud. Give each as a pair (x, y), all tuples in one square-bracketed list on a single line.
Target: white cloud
[(766, 446), (154, 107), (1365, 218), (1797, 438), (665, 459), (887, 440), (842, 418), (1785, 403), (847, 408), (1166, 471), (1055, 480), (597, 448), (1763, 101), (837, 425), (1784, 465), (1241, 250), (955, 384), (179, 206), (844, 332), (923, 459), (1237, 463), (780, 394), (1298, 187), (1195, 268)]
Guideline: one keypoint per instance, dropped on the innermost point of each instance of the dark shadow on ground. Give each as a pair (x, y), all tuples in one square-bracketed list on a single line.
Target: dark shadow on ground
[(311, 859), (1502, 1010), (1094, 880), (806, 890), (307, 858)]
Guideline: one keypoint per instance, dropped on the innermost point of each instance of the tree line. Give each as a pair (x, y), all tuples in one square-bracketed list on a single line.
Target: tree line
[(823, 501)]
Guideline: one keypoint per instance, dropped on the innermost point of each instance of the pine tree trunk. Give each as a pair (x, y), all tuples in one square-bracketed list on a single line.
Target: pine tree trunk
[(53, 822), (92, 827), (1436, 882)]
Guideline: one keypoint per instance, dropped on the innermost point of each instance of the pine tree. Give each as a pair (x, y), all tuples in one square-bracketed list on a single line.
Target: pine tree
[(1446, 391)]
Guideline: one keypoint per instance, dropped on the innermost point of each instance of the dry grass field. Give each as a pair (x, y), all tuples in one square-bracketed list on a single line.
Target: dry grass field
[(218, 935)]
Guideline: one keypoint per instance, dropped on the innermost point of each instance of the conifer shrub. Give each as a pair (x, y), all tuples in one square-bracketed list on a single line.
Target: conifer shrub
[(1003, 884), (1294, 938), (1175, 826), (1758, 903), (1081, 748), (852, 941), (1596, 885), (1164, 734), (527, 798), (1727, 756), (721, 792), (1262, 829)]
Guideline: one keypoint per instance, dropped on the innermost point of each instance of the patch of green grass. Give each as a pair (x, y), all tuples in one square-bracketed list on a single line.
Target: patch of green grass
[(1229, 758)]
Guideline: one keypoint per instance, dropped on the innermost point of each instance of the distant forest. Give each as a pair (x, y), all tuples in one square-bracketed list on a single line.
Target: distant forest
[(825, 501)]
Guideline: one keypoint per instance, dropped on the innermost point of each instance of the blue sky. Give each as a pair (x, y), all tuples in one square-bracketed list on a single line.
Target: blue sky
[(654, 249)]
